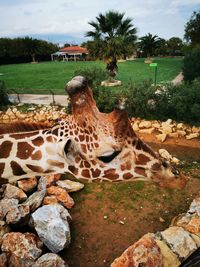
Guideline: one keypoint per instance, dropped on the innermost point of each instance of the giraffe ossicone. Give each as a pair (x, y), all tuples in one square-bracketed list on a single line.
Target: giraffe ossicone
[(88, 144)]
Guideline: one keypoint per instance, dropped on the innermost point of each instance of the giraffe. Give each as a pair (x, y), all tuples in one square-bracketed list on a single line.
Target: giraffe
[(88, 144)]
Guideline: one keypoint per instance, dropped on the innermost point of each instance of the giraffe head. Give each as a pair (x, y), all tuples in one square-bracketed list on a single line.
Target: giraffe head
[(99, 146)]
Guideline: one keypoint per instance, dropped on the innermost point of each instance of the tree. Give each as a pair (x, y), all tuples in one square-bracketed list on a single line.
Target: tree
[(192, 29), (113, 37), (175, 45), (148, 44)]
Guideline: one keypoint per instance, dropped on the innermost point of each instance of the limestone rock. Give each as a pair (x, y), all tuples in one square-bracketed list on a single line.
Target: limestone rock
[(195, 129), (5, 205), (167, 122), (166, 129), (47, 181), (175, 160), (192, 136), (145, 124), (144, 252), (195, 207), (18, 214), (181, 133), (3, 260), (156, 125), (12, 191), (50, 200), (28, 184), (61, 195), (4, 229), (161, 137), (165, 154), (169, 258), (24, 248), (135, 127), (51, 225), (70, 186), (147, 131), (174, 135), (179, 241), (35, 200), (50, 260), (180, 126)]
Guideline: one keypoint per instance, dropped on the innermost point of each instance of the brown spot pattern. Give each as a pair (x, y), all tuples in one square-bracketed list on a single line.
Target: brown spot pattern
[(140, 171), (84, 148), (95, 172), (127, 175), (156, 166), (5, 149), (55, 163), (85, 173), (35, 168), (111, 174), (24, 150), (37, 155), (38, 141), (17, 169), (142, 159)]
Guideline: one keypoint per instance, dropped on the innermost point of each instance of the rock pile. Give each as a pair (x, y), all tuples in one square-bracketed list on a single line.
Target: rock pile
[(164, 130), (169, 247), (37, 113), (42, 206)]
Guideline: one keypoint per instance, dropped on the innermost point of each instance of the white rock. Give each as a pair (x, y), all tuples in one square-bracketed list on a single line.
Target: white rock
[(148, 131), (180, 126), (175, 160), (167, 122), (51, 225), (192, 136), (161, 137), (166, 129), (145, 124), (70, 186), (50, 260), (195, 207), (181, 133), (179, 241), (135, 127), (195, 129), (165, 154)]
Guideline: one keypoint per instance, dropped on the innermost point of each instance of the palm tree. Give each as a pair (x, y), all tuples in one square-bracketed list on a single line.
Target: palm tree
[(149, 43), (113, 37)]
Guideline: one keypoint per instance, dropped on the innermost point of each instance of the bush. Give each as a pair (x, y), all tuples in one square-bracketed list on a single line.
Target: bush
[(181, 103), (3, 94), (191, 65)]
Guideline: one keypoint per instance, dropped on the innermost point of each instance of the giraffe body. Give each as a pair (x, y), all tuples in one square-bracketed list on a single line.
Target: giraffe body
[(89, 144)]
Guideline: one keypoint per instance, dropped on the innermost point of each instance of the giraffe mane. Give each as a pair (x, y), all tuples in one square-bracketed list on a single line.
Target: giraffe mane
[(19, 127)]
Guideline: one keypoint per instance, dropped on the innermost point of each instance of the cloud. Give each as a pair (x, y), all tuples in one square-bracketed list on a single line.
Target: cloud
[(179, 3), (163, 17)]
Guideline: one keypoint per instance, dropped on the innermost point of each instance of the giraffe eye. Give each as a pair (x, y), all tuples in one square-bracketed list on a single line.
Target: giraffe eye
[(109, 158)]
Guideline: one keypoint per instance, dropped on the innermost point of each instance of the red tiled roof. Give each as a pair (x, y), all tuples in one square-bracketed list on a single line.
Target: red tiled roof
[(75, 49)]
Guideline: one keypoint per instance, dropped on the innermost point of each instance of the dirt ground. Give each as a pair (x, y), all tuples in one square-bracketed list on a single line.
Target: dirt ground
[(107, 218)]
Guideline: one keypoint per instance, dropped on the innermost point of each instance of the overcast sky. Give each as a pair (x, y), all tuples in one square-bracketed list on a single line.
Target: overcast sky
[(166, 18)]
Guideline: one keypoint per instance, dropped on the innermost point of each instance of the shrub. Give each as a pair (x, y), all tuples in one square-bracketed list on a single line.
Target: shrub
[(3, 94), (191, 65)]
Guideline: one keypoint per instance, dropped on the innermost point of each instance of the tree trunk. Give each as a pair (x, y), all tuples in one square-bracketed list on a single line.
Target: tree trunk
[(112, 68)]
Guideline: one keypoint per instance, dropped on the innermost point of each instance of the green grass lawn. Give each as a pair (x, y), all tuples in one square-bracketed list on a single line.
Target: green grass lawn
[(41, 77)]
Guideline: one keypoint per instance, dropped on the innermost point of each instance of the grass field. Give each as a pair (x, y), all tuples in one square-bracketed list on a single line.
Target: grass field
[(42, 77)]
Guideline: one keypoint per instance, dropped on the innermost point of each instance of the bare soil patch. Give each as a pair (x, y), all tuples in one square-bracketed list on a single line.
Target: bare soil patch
[(107, 218)]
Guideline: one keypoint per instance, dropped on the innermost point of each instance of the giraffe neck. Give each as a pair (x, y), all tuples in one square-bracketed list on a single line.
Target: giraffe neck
[(29, 154)]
